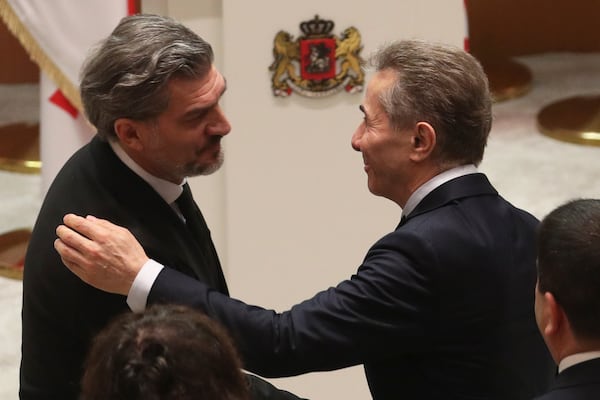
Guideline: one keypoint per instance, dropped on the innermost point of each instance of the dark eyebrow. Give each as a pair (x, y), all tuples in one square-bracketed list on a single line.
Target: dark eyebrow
[(195, 113), (362, 109)]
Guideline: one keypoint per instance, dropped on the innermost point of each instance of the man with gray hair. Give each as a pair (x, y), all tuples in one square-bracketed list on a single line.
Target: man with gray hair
[(440, 308), (153, 93)]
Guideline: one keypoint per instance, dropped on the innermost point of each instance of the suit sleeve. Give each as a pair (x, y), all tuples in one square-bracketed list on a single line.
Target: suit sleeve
[(385, 308)]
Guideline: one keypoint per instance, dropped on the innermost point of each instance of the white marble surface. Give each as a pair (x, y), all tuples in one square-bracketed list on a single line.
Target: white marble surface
[(20, 201), (534, 172), (20, 204), (10, 337)]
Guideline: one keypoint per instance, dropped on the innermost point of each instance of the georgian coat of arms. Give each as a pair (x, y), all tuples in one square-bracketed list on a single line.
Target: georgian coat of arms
[(317, 63)]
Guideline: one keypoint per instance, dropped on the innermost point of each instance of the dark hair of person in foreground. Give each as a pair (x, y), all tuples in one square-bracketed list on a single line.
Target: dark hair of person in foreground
[(166, 353)]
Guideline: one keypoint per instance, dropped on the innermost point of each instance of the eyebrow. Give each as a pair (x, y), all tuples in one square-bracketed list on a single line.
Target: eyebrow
[(222, 91), (362, 109), (194, 113), (224, 87), (198, 112)]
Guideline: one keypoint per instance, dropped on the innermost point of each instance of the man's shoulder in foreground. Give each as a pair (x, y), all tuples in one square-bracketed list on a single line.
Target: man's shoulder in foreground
[(581, 381)]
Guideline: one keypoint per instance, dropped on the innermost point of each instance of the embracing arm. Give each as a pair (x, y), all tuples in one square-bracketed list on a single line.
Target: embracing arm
[(109, 258), (382, 310), (320, 334), (376, 314)]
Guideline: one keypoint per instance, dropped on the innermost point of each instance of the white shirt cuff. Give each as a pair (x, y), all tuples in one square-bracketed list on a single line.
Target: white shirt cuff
[(138, 293)]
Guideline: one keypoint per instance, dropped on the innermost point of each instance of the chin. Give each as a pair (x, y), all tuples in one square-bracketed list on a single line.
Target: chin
[(372, 188), (207, 169), (378, 192)]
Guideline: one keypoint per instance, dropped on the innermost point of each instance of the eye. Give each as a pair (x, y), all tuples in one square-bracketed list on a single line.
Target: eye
[(195, 117)]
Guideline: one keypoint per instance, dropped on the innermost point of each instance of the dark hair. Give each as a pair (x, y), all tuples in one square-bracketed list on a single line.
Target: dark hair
[(126, 75), (166, 353), (569, 263), (441, 85)]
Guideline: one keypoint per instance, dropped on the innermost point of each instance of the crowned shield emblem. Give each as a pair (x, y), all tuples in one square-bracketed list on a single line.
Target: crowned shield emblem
[(317, 63)]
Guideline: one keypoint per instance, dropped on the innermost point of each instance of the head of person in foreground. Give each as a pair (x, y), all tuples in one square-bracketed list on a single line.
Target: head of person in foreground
[(167, 352), (567, 295)]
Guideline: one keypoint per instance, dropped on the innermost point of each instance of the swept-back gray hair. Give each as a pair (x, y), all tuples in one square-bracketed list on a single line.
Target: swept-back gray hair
[(444, 86), (125, 75)]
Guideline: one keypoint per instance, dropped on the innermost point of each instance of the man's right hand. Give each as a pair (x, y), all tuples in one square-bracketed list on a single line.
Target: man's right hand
[(100, 253)]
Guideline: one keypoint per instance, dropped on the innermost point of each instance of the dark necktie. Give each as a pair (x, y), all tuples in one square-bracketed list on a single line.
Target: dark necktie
[(197, 226), (402, 220), (193, 218)]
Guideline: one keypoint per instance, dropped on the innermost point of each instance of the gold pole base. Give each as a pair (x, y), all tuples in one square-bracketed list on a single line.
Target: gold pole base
[(574, 120), (13, 246), (20, 148), (508, 79)]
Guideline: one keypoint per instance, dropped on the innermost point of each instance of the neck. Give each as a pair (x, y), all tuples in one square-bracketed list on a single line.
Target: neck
[(573, 345), (417, 178)]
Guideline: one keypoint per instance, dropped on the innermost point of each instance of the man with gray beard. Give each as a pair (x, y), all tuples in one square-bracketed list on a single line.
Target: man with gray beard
[(152, 92)]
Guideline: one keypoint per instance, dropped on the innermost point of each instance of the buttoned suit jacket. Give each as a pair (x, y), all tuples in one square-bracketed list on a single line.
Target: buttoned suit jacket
[(578, 382), (60, 312), (442, 307)]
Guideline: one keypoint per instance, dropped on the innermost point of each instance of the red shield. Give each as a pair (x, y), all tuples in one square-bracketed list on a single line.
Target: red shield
[(317, 58)]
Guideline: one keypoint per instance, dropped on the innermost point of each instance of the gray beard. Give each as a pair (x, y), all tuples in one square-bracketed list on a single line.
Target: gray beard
[(213, 167)]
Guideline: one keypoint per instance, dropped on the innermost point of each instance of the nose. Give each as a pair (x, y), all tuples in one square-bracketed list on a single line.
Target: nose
[(220, 124), (357, 136)]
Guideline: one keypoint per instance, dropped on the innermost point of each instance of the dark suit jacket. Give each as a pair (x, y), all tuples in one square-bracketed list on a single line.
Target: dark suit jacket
[(579, 382), (60, 312), (442, 307)]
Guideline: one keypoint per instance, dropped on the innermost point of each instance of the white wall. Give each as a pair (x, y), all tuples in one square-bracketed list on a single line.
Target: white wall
[(290, 211)]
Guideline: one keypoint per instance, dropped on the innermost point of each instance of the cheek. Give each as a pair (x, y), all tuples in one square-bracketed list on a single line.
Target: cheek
[(378, 150), (368, 144), (188, 142), (199, 137)]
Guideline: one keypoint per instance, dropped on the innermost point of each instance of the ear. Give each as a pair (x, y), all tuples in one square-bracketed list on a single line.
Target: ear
[(554, 316), (129, 133), (423, 141)]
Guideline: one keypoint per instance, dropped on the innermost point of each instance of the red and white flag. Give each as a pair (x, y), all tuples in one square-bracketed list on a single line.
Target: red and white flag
[(58, 34)]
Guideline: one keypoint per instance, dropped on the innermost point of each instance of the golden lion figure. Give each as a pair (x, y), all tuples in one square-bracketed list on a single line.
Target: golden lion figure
[(348, 47), (285, 50)]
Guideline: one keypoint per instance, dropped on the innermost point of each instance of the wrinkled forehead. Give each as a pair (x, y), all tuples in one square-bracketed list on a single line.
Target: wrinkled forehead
[(211, 86), (380, 82)]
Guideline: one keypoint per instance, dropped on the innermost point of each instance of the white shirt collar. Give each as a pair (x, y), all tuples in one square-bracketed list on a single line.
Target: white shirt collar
[(169, 191), (577, 358), (433, 183)]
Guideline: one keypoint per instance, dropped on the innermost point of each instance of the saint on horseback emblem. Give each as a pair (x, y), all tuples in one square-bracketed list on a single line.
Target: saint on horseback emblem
[(317, 63)]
